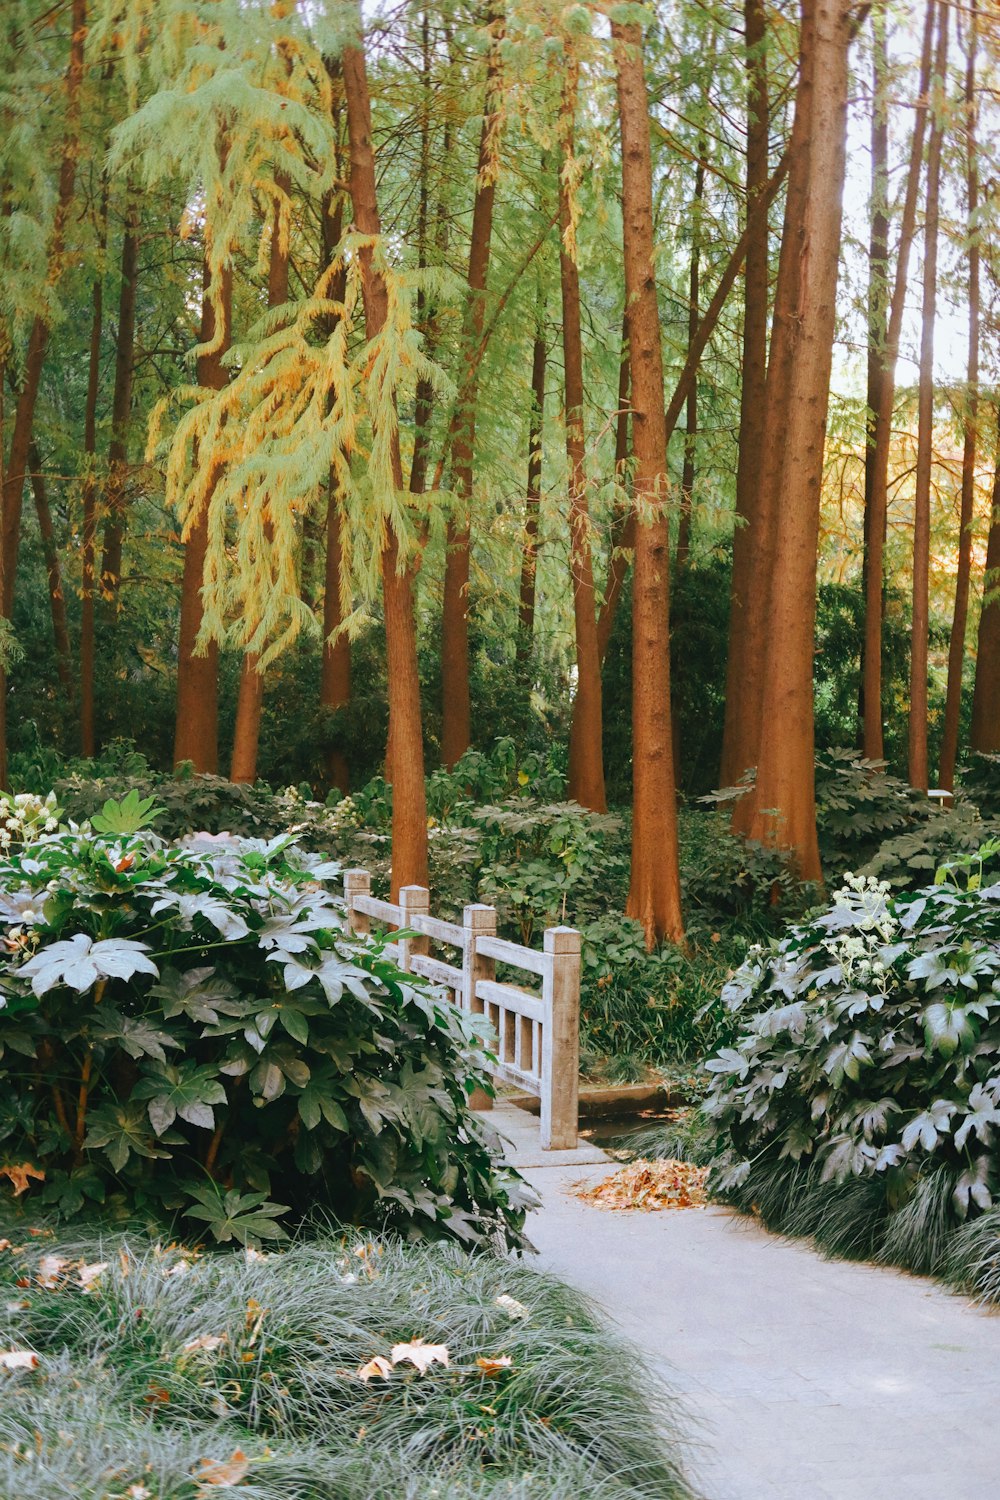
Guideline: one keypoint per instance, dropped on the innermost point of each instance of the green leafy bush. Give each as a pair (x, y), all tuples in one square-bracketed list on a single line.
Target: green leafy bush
[(859, 805), (149, 1370), (861, 1099), (188, 1029), (980, 783), (908, 860)]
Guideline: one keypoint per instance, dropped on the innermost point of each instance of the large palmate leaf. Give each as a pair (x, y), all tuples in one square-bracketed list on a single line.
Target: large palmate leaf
[(121, 1131), (78, 962), (186, 1090), (245, 1217)]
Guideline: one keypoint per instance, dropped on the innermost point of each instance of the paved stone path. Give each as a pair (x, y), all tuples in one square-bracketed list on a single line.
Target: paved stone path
[(806, 1379)]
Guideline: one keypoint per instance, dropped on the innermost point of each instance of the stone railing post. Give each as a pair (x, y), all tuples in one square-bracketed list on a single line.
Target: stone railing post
[(414, 901), (561, 1040), (478, 921), (357, 883)]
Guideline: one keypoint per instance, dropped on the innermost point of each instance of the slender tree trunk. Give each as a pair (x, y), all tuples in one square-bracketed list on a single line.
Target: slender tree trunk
[(688, 374), (691, 409), (956, 652), (88, 738), (38, 339), (409, 805), (456, 715), (753, 379), (250, 701), (53, 573), (654, 891), (121, 406), (533, 494), (917, 736), (794, 261), (785, 782), (878, 288), (24, 413), (622, 539), (985, 732), (586, 752), (196, 737), (335, 681), (877, 499)]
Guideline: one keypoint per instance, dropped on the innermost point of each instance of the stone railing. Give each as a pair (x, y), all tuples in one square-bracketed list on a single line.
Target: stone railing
[(538, 1043)]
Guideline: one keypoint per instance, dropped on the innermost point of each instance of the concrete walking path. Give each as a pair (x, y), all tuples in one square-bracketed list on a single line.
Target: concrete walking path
[(807, 1379)]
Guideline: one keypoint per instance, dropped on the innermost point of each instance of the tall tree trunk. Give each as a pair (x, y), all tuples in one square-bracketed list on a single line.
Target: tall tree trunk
[(250, 700), (196, 736), (533, 493), (917, 728), (654, 892), (785, 766), (956, 651), (691, 408), (985, 732), (586, 741), (335, 679), (878, 288), (622, 539), (409, 804), (456, 708), (335, 669), (88, 737), (53, 573), (121, 405), (878, 495), (38, 339), (754, 379)]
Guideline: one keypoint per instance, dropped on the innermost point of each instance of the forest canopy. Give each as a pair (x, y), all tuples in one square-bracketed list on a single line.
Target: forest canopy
[(377, 380)]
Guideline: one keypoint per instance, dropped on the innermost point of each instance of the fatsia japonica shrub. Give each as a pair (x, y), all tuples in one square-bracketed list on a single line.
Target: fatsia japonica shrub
[(860, 1101), (189, 1032)]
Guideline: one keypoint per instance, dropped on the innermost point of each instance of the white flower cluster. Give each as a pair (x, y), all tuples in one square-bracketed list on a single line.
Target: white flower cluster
[(26, 815), (859, 951)]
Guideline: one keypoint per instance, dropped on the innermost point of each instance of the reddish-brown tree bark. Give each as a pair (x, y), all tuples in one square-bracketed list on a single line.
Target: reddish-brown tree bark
[(689, 371), (878, 494), (878, 288), (335, 679), (88, 737), (533, 494), (38, 338), (586, 752), (753, 377), (456, 709), (691, 405), (121, 404), (409, 804), (960, 618), (250, 700), (920, 619), (984, 734), (196, 735), (654, 897), (784, 803), (53, 572)]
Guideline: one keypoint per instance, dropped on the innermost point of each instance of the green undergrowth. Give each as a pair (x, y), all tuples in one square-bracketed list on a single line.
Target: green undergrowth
[(163, 1374)]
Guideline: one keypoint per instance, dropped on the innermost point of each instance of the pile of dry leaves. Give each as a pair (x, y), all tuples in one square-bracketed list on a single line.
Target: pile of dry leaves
[(648, 1186)]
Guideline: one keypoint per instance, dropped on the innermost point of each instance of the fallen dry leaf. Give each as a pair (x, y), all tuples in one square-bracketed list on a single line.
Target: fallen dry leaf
[(205, 1341), (18, 1359), (420, 1354), (648, 1186), (512, 1306), (494, 1366), (377, 1366), (19, 1173), (88, 1276), (51, 1270), (230, 1471)]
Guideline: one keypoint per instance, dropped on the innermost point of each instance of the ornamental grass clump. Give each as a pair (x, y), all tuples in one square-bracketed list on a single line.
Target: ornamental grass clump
[(860, 1102), (348, 1366), (188, 1032)]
